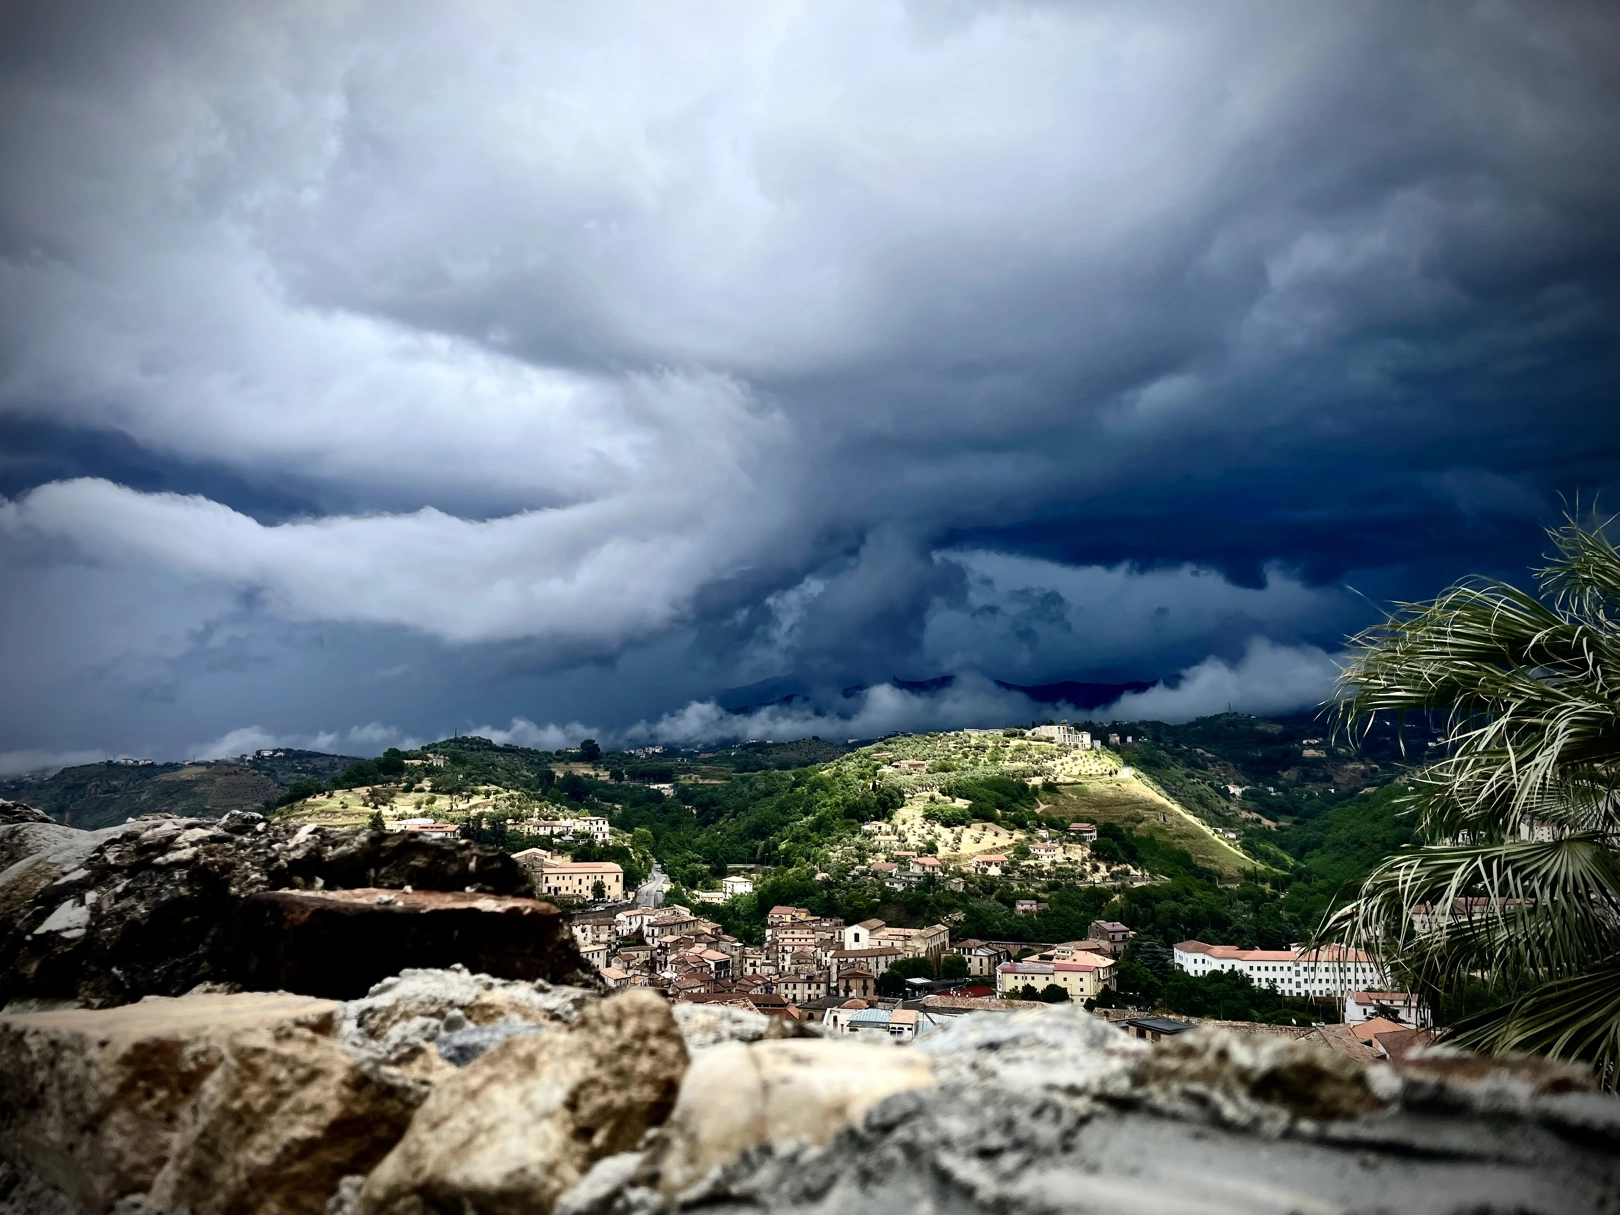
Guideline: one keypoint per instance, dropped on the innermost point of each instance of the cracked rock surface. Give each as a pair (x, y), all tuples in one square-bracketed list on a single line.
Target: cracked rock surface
[(155, 906), (1055, 1111)]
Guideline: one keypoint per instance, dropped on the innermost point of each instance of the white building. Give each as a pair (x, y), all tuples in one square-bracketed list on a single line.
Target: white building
[(1400, 1006), (859, 936), (1064, 735), (586, 825), (1331, 970), (731, 887)]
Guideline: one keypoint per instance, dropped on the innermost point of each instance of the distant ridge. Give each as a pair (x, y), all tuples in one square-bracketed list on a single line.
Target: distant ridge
[(1086, 696), (788, 690)]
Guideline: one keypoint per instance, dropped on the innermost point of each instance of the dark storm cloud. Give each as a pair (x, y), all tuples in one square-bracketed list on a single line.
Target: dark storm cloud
[(581, 361)]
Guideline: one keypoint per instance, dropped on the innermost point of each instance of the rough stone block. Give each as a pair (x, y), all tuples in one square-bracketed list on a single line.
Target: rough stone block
[(90, 1100), (279, 1123), (739, 1095), (523, 1123), (339, 943)]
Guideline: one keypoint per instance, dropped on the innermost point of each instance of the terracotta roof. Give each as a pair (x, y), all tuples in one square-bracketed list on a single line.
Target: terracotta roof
[(1339, 1038), (1367, 1030)]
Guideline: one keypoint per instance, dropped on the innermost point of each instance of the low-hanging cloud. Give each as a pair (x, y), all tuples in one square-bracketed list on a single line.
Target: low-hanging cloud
[(1269, 678), (370, 739)]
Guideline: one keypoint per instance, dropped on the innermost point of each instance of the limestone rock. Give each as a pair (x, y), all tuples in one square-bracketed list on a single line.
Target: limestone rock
[(706, 1025), (737, 1096), (520, 1125), (90, 1100), (402, 1018), (279, 1123), (154, 906), (21, 812), (1053, 1111)]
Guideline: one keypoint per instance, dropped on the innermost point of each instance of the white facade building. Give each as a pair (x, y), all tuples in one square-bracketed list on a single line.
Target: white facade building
[(1331, 970), (1064, 735), (1406, 1008)]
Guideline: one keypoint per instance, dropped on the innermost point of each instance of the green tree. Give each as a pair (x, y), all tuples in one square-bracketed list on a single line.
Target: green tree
[(375, 822), (953, 966), (1053, 994), (590, 751), (1522, 813)]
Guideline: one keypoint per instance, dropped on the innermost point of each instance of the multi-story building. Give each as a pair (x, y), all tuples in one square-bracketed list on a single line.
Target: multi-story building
[(1112, 934), (1331, 970), (593, 826), (930, 942), (982, 957), (1082, 980), (874, 961), (1063, 734), (577, 880)]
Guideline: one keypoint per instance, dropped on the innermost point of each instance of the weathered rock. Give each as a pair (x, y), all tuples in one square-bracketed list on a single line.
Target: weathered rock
[(279, 1123), (90, 1100), (21, 812), (154, 906), (23, 1193), (459, 1047), (403, 1018), (339, 943), (1054, 1111), (707, 1025), (516, 1128), (737, 1096)]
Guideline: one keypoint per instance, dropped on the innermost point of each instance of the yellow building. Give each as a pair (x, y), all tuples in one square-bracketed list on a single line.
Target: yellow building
[(579, 880)]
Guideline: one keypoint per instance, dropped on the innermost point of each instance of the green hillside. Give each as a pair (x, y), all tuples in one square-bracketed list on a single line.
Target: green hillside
[(90, 796), (1236, 829)]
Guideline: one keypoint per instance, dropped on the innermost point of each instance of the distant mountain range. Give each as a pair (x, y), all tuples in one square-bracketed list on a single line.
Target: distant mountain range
[(789, 690), (90, 796), (1083, 696)]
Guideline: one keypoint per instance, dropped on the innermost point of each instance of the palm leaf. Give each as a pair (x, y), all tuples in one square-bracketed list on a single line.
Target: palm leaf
[(1522, 812)]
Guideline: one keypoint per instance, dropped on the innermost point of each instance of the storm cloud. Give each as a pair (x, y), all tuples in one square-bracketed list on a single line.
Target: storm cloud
[(370, 371)]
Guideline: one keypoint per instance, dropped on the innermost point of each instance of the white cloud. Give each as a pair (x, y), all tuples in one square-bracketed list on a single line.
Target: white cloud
[(371, 739), (522, 732), (43, 763), (590, 575), (1269, 678)]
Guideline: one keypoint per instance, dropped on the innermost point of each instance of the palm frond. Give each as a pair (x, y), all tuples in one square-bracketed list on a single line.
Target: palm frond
[(1576, 1018), (1521, 815)]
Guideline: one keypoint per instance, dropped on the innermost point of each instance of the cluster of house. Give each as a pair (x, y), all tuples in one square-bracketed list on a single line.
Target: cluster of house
[(806, 965), (907, 868), (1080, 968), (592, 826), (730, 887)]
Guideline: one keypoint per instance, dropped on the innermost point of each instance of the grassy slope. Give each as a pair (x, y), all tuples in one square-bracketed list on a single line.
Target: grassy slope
[(1139, 809)]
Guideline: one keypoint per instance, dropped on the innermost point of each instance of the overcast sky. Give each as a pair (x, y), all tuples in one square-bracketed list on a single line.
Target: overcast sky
[(373, 371)]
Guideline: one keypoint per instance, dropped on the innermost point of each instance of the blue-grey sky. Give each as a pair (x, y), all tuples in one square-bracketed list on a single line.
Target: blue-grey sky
[(372, 371)]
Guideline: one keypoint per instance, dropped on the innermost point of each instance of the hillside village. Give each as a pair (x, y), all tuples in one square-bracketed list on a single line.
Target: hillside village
[(939, 829)]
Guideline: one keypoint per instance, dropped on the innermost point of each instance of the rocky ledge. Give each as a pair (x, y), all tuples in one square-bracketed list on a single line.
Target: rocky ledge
[(158, 905), (444, 1091)]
